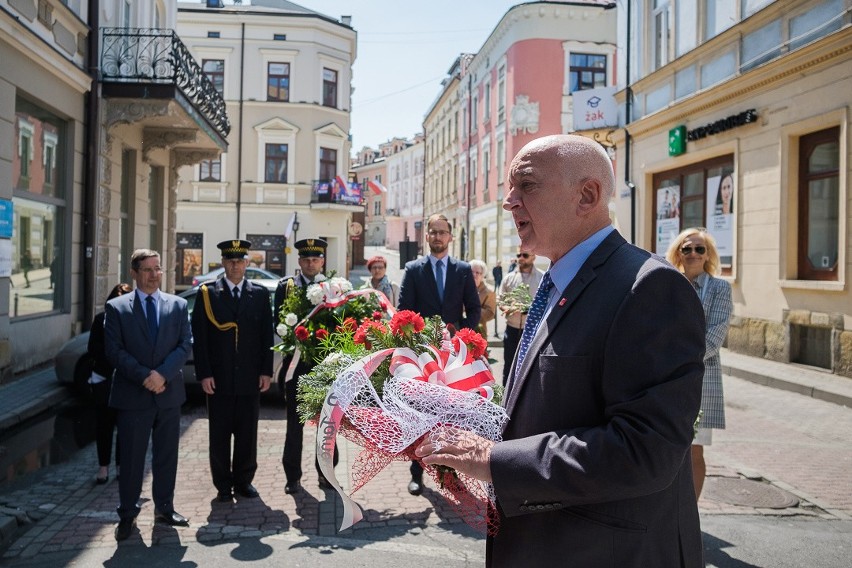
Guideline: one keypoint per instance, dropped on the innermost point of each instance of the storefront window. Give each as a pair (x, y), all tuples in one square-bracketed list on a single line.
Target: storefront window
[(819, 204), (700, 195), (39, 277)]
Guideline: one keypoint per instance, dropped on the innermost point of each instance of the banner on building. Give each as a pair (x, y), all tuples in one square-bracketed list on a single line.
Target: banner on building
[(595, 108)]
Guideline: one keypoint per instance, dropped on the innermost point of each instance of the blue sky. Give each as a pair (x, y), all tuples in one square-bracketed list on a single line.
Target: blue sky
[(405, 48)]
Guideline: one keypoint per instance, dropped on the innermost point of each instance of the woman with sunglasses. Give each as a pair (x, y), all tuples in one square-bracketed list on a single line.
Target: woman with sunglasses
[(377, 266), (694, 253), (487, 295)]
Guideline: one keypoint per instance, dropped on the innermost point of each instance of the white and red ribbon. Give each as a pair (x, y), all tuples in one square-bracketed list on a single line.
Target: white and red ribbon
[(425, 391)]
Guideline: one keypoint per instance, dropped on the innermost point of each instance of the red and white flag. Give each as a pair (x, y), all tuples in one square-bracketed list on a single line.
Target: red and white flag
[(377, 187)]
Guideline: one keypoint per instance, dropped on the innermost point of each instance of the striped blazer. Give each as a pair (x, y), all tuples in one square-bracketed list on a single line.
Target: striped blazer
[(715, 295)]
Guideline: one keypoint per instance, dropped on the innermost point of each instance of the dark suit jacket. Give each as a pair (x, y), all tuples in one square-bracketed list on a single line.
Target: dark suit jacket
[(130, 349), (236, 368), (595, 454), (419, 292)]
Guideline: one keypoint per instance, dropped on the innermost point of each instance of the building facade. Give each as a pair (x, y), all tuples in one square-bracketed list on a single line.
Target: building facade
[(371, 166), (405, 194), (741, 125), (519, 86), (100, 103), (285, 74)]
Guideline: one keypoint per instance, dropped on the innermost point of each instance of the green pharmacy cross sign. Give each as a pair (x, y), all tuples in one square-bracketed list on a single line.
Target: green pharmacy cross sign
[(677, 140)]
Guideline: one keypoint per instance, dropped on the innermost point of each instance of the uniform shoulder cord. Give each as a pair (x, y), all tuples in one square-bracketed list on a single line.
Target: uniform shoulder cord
[(208, 309)]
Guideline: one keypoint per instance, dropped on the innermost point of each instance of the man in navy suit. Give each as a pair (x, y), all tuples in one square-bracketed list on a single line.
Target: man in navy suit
[(148, 340), (439, 285), (605, 389)]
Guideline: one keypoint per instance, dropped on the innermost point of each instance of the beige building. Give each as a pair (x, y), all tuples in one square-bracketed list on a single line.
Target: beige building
[(441, 175), (43, 86), (285, 74), (743, 128), (371, 166)]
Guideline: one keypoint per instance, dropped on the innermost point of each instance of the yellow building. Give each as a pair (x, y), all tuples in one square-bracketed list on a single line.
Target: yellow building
[(741, 125)]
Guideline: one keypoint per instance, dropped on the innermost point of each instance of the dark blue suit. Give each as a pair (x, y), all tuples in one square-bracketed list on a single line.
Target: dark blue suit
[(459, 308), (419, 292), (141, 413)]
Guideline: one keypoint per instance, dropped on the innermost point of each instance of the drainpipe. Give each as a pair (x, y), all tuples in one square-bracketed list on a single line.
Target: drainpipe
[(90, 172), (467, 185), (628, 108), (240, 131)]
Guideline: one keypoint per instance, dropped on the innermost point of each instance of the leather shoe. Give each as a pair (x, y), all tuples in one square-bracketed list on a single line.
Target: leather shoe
[(172, 518), (124, 529), (415, 487), (225, 497), (248, 491), (292, 487)]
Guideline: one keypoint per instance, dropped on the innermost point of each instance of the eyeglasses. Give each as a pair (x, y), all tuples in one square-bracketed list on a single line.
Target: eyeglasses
[(434, 233), (688, 250), (522, 255), (382, 266)]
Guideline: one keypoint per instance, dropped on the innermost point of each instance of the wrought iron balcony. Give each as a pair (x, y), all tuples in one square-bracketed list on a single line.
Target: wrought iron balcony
[(159, 57)]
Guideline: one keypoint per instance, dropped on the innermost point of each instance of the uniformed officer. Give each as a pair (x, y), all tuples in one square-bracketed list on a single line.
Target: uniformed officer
[(311, 263), (233, 336)]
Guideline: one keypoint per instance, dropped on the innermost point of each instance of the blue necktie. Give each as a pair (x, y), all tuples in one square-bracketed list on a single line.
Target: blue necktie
[(151, 313), (439, 278), (534, 316)]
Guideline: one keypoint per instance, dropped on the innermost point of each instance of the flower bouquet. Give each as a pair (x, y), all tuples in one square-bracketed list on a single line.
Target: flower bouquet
[(309, 315), (388, 385), (518, 299)]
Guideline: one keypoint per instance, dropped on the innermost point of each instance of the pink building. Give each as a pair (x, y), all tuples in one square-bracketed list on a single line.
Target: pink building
[(521, 85)]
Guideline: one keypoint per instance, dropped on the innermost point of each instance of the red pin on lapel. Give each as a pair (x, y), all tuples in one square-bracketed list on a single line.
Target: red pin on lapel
[(562, 302)]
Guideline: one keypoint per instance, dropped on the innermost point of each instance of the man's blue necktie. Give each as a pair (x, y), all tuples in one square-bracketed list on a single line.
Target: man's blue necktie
[(534, 316), (439, 278), (151, 313)]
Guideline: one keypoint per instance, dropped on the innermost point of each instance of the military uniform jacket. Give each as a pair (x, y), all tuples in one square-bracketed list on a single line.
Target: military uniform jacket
[(235, 358), (284, 286)]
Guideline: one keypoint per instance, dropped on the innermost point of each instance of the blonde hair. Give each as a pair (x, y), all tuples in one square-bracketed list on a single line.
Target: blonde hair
[(711, 266)]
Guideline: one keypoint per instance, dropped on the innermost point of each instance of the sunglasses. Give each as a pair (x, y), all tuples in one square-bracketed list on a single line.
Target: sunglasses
[(688, 250), (522, 255)]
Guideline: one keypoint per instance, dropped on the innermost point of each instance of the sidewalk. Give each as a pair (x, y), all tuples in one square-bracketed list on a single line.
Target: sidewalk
[(33, 394)]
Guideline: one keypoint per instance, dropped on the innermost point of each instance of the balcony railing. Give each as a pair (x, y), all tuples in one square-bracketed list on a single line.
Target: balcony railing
[(135, 55)]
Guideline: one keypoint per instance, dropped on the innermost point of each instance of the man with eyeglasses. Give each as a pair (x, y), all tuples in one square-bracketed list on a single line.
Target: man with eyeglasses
[(525, 273), (439, 285), (147, 339)]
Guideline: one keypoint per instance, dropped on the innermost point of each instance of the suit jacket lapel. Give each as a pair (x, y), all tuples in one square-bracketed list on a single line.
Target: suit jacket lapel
[(227, 297), (584, 277)]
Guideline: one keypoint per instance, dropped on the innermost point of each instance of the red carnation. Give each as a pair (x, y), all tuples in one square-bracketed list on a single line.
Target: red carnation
[(301, 333), (476, 345), (377, 315), (350, 324), (321, 333), (405, 322)]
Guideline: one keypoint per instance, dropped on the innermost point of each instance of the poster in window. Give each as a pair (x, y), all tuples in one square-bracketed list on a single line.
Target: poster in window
[(720, 214), (668, 216), (191, 264), (190, 257)]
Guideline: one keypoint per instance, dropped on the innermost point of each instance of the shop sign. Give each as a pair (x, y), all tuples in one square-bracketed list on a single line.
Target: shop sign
[(5, 219), (729, 123), (677, 140)]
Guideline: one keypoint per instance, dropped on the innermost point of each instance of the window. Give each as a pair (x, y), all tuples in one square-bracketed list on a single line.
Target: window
[(719, 15), (377, 207), (486, 167), (329, 87), (213, 35), (661, 30), (587, 71), (486, 102), (761, 45), (698, 195), (278, 82), (210, 170), (686, 26), (38, 278), (328, 164), (474, 112), (279, 37), (276, 163), (501, 94), (215, 71), (819, 204)]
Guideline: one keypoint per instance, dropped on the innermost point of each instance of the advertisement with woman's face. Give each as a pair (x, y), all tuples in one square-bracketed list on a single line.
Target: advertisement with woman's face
[(720, 213)]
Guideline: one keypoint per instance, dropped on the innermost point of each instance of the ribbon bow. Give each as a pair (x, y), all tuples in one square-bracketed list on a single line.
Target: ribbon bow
[(444, 368)]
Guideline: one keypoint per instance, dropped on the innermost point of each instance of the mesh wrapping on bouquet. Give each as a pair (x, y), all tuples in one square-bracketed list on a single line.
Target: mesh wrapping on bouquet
[(389, 428)]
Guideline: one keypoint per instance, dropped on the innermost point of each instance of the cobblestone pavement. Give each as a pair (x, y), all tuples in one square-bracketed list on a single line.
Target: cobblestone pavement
[(74, 514), (799, 444), (794, 442)]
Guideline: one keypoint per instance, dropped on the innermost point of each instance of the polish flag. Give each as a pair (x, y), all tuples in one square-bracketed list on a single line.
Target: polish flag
[(377, 187)]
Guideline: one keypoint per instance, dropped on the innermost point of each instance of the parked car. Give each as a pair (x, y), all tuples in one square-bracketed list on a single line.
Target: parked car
[(73, 367), (251, 274)]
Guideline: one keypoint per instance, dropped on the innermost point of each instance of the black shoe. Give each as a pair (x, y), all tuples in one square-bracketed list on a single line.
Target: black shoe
[(124, 529), (225, 497), (415, 486), (101, 480), (324, 483), (292, 487), (172, 518), (248, 491)]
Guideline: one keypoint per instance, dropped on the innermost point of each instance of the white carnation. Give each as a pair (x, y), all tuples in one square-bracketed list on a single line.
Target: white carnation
[(315, 294), (291, 319), (340, 285), (282, 330), (320, 278)]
